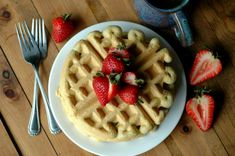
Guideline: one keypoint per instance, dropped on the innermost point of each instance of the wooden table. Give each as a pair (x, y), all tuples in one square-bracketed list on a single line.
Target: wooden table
[(213, 24)]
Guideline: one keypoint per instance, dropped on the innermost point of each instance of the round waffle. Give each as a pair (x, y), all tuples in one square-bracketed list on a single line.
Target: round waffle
[(117, 121)]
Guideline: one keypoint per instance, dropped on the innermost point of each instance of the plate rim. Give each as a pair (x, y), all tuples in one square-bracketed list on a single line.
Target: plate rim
[(104, 25)]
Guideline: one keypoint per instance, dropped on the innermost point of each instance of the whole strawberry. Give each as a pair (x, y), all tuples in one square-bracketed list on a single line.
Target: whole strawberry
[(129, 94), (113, 63), (62, 28), (105, 87)]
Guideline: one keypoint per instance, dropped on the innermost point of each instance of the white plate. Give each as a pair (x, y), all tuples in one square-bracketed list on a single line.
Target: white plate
[(133, 147)]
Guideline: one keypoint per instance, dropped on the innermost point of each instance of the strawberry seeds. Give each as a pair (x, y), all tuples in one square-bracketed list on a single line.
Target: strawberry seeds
[(114, 79)]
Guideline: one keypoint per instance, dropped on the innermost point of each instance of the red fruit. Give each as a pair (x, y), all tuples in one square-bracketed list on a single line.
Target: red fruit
[(131, 78), (205, 66), (129, 94), (62, 28), (104, 88), (121, 51), (113, 64), (114, 80), (101, 87), (201, 109)]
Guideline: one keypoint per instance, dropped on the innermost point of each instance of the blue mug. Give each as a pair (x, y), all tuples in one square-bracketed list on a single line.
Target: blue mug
[(163, 17)]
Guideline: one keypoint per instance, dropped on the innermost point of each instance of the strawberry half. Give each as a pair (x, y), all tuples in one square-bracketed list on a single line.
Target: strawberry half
[(131, 78), (205, 66), (120, 50), (113, 63), (201, 109), (62, 28), (114, 80), (105, 88), (129, 94)]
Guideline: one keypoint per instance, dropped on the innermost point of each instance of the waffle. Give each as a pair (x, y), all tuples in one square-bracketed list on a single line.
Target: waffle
[(117, 121)]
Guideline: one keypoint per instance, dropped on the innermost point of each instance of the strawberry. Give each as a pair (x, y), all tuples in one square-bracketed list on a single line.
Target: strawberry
[(201, 109), (131, 78), (114, 80), (120, 50), (105, 88), (62, 28), (113, 64), (205, 66), (129, 94)]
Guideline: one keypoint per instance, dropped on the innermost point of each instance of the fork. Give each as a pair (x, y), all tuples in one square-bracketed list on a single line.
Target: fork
[(31, 55), (34, 121)]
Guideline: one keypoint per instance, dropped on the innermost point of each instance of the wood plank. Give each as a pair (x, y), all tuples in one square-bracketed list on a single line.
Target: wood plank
[(119, 10), (15, 109), (6, 145), (24, 73), (98, 10), (220, 35), (160, 150), (192, 141), (218, 27)]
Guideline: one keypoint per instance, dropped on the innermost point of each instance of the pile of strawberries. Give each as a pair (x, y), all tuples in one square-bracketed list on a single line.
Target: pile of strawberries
[(116, 79)]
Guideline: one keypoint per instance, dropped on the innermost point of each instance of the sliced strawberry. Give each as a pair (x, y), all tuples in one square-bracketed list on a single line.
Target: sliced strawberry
[(120, 50), (201, 109), (101, 87), (113, 85), (129, 94), (113, 64), (105, 88), (205, 66), (131, 78)]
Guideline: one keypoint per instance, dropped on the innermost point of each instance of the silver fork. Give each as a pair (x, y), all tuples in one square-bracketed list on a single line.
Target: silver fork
[(34, 121), (31, 55)]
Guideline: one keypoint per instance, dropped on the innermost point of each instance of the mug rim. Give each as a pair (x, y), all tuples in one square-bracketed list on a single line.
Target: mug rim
[(170, 10)]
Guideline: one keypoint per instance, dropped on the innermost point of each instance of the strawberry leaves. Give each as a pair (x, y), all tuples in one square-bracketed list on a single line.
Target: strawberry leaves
[(113, 72), (66, 17)]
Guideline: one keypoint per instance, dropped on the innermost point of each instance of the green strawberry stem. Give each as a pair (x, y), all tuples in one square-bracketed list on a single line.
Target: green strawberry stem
[(121, 46), (66, 16), (207, 47), (214, 53), (139, 101), (127, 61), (201, 91), (139, 82), (115, 78), (100, 74)]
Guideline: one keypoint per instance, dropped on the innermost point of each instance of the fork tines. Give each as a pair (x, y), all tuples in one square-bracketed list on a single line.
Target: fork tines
[(25, 38), (38, 30)]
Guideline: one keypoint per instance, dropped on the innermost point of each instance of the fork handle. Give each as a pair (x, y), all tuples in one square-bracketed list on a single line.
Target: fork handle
[(34, 126), (53, 126)]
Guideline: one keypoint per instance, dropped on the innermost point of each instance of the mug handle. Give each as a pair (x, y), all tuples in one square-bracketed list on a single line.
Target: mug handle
[(182, 29)]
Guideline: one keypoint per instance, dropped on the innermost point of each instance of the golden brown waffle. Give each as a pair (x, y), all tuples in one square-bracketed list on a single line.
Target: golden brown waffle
[(123, 121)]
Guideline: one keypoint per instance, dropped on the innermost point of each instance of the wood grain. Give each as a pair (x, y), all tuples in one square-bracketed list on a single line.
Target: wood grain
[(6, 145), (219, 31), (213, 24), (15, 108), (10, 44)]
